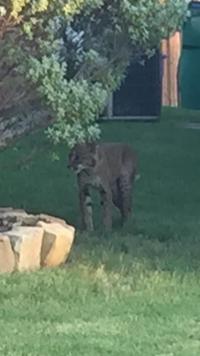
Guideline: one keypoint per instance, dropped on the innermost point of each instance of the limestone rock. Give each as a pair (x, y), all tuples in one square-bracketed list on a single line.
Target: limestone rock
[(50, 219), (5, 209), (26, 243), (10, 217), (7, 258), (57, 243), (17, 217), (29, 241)]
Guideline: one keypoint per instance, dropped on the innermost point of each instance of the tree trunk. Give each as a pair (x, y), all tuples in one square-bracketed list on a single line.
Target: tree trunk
[(13, 127)]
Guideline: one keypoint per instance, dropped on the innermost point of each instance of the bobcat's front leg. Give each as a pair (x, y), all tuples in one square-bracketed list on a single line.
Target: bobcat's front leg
[(86, 209), (106, 202)]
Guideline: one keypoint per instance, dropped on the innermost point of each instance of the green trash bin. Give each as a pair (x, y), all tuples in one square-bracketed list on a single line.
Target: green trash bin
[(189, 67)]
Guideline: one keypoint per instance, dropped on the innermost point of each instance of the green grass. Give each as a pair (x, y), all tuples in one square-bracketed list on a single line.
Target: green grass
[(133, 292)]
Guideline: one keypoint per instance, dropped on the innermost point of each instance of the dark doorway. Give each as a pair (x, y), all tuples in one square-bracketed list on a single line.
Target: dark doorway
[(140, 94)]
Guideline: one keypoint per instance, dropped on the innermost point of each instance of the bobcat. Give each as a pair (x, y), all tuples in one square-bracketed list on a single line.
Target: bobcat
[(110, 168)]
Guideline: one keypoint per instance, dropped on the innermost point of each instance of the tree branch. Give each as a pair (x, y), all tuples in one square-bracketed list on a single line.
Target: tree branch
[(12, 128)]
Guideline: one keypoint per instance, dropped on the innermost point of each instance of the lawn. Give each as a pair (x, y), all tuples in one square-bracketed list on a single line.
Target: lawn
[(133, 292)]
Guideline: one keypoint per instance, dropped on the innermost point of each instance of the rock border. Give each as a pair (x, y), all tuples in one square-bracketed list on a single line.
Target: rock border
[(29, 242)]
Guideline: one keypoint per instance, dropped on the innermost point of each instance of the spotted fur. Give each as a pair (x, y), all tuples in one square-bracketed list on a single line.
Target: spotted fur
[(111, 169)]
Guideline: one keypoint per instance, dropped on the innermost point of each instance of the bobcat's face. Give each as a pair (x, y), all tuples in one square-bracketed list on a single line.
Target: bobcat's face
[(82, 158)]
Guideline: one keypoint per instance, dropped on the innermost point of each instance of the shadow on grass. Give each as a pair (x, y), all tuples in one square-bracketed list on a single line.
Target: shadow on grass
[(125, 252)]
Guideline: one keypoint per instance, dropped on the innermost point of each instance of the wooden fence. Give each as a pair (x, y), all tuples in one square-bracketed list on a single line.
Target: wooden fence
[(171, 50)]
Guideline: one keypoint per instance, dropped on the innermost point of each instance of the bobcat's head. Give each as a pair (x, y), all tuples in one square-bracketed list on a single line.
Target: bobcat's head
[(82, 157)]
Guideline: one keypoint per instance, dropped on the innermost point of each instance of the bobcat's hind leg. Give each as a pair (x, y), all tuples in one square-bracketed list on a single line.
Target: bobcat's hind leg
[(116, 196), (125, 191), (106, 202)]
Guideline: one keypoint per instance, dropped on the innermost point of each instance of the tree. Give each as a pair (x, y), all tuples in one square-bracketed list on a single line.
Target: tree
[(73, 54)]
